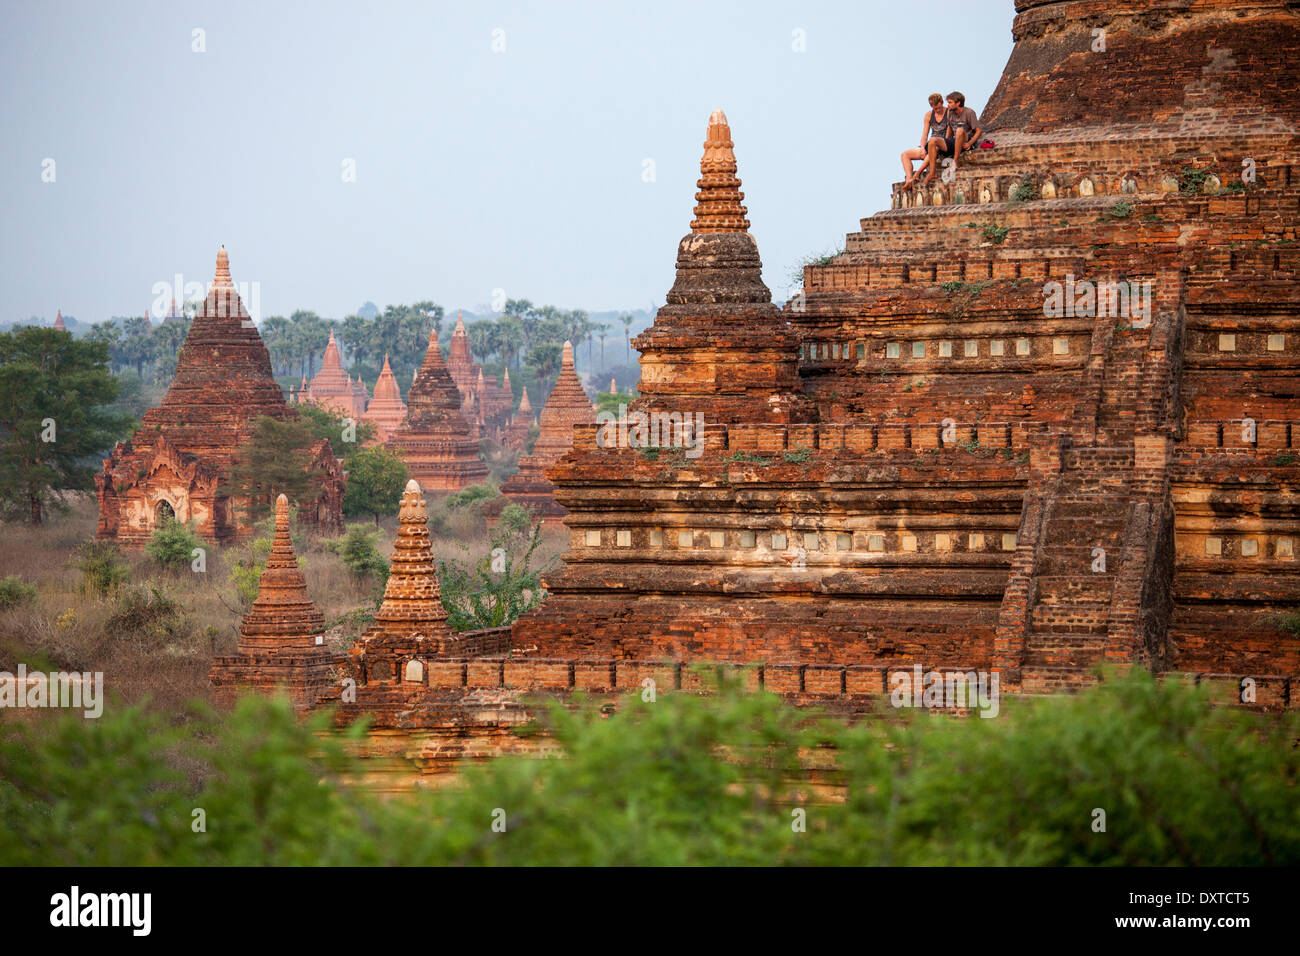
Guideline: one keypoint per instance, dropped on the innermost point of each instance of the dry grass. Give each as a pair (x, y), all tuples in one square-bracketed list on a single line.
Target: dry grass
[(166, 662)]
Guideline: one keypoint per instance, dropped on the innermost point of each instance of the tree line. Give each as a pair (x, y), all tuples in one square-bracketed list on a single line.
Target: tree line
[(525, 338)]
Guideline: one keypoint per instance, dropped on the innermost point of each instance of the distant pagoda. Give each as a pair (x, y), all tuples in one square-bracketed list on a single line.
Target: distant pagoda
[(566, 406), (386, 410), (437, 442), (333, 388), (175, 463)]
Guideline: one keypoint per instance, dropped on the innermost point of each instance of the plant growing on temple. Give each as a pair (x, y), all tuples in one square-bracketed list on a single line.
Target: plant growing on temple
[(1025, 190), (273, 461), (54, 423), (996, 234), (173, 544), (499, 586), (102, 567), (1119, 210), (360, 556), (376, 477)]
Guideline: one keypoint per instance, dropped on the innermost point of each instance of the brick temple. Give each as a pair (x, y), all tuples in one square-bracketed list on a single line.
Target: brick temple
[(1038, 417), (437, 441), (566, 406), (333, 388), (386, 410), (281, 638), (176, 462), (486, 403)]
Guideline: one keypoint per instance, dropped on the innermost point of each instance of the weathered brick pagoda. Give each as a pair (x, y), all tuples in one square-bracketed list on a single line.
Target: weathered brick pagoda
[(1038, 417), (176, 462), (281, 638), (987, 482), (386, 410), (333, 388), (566, 406), (438, 443)]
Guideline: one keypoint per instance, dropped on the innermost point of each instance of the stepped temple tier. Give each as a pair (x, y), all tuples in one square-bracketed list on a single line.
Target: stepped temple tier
[(281, 639), (988, 480), (438, 443), (565, 407), (177, 460), (1041, 417)]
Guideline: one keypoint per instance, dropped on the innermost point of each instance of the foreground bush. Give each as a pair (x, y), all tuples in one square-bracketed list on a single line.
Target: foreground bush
[(1180, 783), (14, 591), (173, 545)]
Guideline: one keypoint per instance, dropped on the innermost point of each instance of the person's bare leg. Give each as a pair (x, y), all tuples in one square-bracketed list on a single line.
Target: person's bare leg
[(932, 160), (908, 157), (957, 147)]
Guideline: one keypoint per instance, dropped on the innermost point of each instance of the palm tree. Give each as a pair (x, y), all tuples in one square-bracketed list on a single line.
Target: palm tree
[(137, 343), (355, 333), (602, 330), (627, 334)]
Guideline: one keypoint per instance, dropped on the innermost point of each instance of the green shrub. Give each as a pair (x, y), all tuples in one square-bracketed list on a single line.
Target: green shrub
[(14, 592), (501, 585), (246, 572), (172, 545), (471, 495), (684, 779), (357, 549), (145, 612), (102, 567)]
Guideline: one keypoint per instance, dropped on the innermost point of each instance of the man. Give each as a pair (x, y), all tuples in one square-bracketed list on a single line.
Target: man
[(964, 132)]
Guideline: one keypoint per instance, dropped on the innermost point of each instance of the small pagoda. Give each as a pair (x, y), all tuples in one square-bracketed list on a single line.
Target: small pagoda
[(281, 639), (566, 406), (438, 443)]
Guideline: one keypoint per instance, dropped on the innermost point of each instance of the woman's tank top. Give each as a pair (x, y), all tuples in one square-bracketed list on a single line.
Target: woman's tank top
[(940, 128)]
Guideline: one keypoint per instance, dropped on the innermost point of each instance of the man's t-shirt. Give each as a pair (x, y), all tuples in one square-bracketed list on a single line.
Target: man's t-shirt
[(963, 118)]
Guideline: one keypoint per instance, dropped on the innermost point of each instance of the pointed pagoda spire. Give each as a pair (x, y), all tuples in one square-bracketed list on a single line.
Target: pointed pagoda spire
[(460, 323), (331, 360), (412, 599), (523, 404), (221, 280), (58, 322), (718, 203), (505, 379), (283, 616), (613, 387), (479, 384)]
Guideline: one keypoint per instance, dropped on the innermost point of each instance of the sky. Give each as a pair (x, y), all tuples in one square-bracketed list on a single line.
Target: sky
[(459, 152)]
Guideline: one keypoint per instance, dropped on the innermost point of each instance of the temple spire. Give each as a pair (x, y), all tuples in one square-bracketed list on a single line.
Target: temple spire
[(718, 203), (221, 280), (58, 322)]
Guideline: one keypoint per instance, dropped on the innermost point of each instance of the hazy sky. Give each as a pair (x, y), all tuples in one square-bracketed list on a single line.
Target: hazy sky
[(522, 170)]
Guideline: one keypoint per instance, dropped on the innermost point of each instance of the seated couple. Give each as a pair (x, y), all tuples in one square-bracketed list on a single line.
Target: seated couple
[(945, 131)]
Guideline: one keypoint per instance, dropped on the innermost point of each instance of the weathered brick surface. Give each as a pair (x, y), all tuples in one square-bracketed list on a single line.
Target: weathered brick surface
[(435, 438), (919, 461), (177, 461)]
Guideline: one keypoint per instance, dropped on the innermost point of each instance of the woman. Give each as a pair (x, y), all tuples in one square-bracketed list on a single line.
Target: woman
[(933, 123)]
